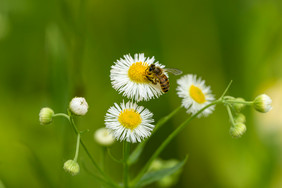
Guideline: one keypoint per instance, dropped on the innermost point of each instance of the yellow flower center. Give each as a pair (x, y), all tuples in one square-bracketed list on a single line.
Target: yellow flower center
[(197, 94), (137, 72), (129, 119)]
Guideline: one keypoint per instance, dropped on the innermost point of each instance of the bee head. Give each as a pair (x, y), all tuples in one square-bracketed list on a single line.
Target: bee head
[(152, 67)]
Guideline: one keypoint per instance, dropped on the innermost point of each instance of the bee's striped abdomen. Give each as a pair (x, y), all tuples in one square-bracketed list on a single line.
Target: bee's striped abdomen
[(164, 83)]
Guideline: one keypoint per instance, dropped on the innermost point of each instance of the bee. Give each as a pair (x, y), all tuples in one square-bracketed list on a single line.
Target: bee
[(156, 75)]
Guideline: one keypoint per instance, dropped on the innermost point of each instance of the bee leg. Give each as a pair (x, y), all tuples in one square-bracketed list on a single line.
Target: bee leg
[(153, 81)]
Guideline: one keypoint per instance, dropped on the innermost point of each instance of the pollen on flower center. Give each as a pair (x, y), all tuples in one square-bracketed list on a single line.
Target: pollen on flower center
[(137, 73), (197, 94), (129, 118)]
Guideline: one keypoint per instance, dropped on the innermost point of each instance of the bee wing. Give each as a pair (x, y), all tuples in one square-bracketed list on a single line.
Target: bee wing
[(173, 71)]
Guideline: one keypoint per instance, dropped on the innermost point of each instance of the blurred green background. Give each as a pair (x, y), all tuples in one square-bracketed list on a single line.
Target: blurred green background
[(51, 51)]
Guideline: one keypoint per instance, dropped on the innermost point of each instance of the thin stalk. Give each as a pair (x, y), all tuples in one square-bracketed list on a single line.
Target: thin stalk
[(230, 115), (112, 157), (70, 118), (85, 148), (240, 102), (163, 120), (90, 156), (126, 150), (225, 91), (168, 140), (77, 148), (138, 150), (62, 115)]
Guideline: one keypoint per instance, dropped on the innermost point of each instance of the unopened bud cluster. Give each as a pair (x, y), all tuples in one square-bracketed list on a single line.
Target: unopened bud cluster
[(237, 118), (261, 103)]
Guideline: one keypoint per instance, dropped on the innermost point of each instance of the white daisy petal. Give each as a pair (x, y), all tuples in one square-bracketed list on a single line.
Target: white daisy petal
[(129, 122), (195, 94), (128, 77)]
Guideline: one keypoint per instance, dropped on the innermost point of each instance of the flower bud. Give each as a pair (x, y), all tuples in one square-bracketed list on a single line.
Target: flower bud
[(71, 167), (46, 116), (238, 130), (104, 137), (78, 106), (157, 164), (239, 106), (240, 118), (167, 181), (262, 103)]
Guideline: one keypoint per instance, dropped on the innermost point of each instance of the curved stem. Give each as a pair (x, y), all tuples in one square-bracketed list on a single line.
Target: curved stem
[(112, 157), (168, 140), (62, 115)]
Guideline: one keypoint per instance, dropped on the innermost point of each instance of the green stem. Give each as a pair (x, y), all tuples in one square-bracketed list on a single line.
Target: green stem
[(62, 115), (77, 147), (168, 140), (112, 157), (225, 91), (240, 102), (85, 148), (230, 115), (126, 151), (70, 118), (138, 150), (90, 156), (162, 121)]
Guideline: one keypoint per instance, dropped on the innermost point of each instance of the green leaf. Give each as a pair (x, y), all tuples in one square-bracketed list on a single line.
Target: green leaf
[(154, 176)]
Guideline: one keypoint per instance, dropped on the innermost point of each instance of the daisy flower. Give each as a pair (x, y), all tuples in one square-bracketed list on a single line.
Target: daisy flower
[(128, 76), (129, 122), (195, 94)]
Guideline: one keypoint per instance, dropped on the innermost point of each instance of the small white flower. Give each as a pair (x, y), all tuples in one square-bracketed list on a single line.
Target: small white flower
[(129, 122), (128, 77), (104, 137), (46, 116), (262, 103), (195, 94), (71, 167), (78, 106)]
